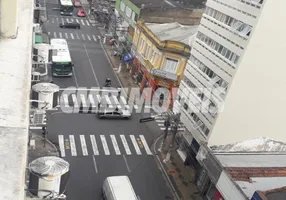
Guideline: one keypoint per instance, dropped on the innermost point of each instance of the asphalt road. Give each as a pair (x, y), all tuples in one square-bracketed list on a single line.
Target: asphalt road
[(97, 148)]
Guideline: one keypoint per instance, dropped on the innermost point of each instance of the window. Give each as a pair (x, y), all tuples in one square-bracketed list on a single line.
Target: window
[(185, 106), (170, 65), (122, 6), (134, 16), (146, 52), (128, 11), (151, 56), (142, 42)]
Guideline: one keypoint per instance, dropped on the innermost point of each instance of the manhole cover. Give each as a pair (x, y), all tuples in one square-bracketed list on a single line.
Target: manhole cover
[(181, 176), (185, 183)]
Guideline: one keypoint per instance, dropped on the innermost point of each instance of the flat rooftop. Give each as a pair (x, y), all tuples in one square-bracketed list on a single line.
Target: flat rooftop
[(191, 4), (173, 31)]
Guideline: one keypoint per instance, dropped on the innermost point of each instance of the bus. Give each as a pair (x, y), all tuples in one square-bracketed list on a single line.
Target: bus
[(61, 60), (66, 7)]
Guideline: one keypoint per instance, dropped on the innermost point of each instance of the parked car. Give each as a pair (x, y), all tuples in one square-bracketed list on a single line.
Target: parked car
[(70, 25), (81, 13), (77, 3), (114, 114)]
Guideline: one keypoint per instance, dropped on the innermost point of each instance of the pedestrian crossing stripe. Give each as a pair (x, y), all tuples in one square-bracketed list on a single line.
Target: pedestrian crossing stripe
[(74, 36), (84, 142), (83, 22)]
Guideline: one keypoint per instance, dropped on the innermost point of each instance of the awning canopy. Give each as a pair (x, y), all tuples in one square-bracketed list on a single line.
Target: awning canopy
[(128, 57)]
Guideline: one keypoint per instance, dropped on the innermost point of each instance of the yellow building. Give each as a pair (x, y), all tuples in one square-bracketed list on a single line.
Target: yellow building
[(161, 52)]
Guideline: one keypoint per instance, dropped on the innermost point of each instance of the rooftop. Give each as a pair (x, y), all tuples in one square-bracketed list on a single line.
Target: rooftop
[(262, 144), (169, 3), (174, 32)]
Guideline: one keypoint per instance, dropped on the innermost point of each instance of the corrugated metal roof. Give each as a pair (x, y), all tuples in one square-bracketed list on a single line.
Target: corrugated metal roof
[(173, 31)]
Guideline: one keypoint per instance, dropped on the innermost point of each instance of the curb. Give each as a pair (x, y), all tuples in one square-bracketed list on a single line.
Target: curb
[(174, 189)]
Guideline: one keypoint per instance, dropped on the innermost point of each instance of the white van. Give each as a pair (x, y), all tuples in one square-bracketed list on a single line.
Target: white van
[(118, 188)]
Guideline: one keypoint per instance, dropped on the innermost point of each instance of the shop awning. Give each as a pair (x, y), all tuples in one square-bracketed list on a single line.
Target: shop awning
[(128, 57)]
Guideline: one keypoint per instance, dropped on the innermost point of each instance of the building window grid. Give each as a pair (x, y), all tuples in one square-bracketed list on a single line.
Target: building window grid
[(253, 16), (213, 94), (210, 73), (171, 65), (218, 48), (122, 6), (241, 28), (201, 96)]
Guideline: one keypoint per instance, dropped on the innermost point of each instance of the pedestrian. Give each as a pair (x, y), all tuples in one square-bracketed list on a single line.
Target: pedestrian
[(119, 92)]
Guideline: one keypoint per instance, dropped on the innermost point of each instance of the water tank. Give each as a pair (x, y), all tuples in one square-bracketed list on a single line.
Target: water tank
[(46, 94), (48, 177)]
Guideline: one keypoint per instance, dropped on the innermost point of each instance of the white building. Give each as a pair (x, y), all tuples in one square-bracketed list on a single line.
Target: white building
[(239, 47)]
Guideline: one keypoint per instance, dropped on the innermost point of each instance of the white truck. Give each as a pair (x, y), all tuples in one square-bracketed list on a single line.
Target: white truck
[(118, 188)]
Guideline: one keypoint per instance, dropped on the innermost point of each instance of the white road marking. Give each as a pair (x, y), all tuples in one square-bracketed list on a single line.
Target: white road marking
[(87, 22), (82, 35), (91, 100), (83, 145), (115, 144), (66, 35), (77, 20), (116, 101), (160, 124), (108, 101), (72, 36), (159, 121), (53, 21), (72, 145), (98, 98), (77, 36), (82, 98), (62, 20), (93, 36), (74, 99), (71, 20), (67, 19), (136, 107), (94, 145), (57, 19), (99, 37), (49, 33), (104, 144), (62, 146), (61, 36), (36, 128), (124, 102), (125, 144), (148, 151), (88, 37), (82, 22), (126, 163), (66, 100), (136, 147), (91, 66), (94, 163), (55, 35)]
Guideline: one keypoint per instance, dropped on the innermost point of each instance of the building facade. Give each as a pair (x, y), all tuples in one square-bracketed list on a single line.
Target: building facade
[(160, 57), (228, 85)]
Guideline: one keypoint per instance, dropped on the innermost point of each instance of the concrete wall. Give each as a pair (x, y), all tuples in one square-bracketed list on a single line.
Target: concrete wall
[(182, 16), (255, 105), (8, 18)]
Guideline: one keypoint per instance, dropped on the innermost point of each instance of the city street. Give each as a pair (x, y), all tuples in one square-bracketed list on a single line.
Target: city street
[(98, 148)]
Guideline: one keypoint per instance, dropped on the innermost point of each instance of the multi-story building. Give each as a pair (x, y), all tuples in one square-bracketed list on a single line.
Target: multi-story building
[(161, 53), (16, 18), (233, 80), (127, 13)]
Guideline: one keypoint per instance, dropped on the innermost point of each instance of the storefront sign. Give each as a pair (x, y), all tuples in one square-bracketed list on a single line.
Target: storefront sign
[(164, 74)]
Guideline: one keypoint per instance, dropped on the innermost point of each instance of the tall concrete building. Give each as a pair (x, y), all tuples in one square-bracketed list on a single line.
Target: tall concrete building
[(234, 82)]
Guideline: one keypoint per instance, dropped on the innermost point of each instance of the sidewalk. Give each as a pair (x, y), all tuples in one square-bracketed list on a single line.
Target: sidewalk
[(182, 179), (180, 176)]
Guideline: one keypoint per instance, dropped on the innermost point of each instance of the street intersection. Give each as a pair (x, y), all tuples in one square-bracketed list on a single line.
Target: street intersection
[(98, 148)]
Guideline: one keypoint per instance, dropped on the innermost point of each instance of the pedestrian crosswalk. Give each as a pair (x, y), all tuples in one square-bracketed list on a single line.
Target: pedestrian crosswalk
[(75, 36), (92, 101), (160, 121), (58, 20), (89, 145)]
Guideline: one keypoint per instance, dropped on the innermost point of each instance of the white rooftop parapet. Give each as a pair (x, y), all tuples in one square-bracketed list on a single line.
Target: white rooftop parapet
[(15, 82)]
